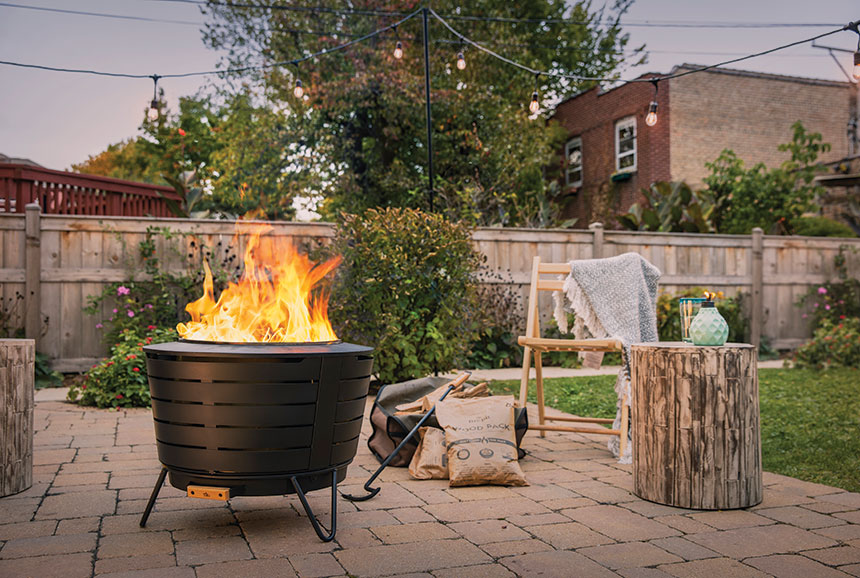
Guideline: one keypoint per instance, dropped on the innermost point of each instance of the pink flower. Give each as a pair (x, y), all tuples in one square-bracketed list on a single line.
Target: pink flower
[(822, 291), (151, 327), (115, 310), (827, 307), (99, 325), (130, 313), (815, 304), (804, 316), (122, 290), (149, 305)]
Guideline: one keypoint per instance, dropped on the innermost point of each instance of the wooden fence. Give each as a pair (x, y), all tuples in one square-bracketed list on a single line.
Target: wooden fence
[(64, 193), (50, 264)]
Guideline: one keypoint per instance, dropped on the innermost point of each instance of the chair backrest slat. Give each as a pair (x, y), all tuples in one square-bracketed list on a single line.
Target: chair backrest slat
[(556, 268), (550, 284)]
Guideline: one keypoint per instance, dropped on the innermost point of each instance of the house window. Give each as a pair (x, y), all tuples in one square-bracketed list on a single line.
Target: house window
[(625, 144), (573, 154)]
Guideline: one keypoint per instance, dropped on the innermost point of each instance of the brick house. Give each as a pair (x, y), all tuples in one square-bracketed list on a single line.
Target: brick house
[(611, 154)]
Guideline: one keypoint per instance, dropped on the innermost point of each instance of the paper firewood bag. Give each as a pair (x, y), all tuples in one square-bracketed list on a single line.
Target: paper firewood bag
[(430, 461), (481, 442)]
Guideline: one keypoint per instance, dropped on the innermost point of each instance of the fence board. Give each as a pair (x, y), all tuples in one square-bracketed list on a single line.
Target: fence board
[(80, 254)]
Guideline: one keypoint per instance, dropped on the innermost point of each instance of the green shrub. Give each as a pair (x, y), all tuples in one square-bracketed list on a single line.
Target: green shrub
[(120, 380), (832, 345), (669, 317), (821, 227), (406, 287)]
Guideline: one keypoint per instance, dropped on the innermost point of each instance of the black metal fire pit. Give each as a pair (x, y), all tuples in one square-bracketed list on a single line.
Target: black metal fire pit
[(257, 419)]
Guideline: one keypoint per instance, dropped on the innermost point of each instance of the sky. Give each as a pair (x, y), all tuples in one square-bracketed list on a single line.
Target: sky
[(57, 119)]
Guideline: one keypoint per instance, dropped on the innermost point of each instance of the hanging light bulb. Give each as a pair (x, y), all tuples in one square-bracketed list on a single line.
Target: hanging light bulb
[(298, 91), (534, 105), (651, 117), (152, 113), (461, 61), (857, 65), (398, 50)]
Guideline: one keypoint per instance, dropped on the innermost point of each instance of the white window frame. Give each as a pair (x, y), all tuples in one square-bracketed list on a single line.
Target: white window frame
[(628, 121), (574, 142)]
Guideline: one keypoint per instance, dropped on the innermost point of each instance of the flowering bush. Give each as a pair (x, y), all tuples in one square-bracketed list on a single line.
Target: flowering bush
[(834, 301), (832, 345), (120, 380)]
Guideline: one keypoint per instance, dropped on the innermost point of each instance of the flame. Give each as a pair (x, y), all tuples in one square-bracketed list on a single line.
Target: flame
[(274, 300)]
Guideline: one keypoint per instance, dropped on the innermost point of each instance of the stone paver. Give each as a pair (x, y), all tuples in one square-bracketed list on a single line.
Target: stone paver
[(629, 555), (620, 524), (722, 567), (401, 558), (793, 566), (62, 566), (760, 541), (95, 470)]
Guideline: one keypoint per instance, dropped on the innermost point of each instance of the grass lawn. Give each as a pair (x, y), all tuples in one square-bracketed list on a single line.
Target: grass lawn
[(810, 420)]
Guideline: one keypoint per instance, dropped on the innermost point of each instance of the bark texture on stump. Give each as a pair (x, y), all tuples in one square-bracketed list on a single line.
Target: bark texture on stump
[(17, 382), (696, 434)]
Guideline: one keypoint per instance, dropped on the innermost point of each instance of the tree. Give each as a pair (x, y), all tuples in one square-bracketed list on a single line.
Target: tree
[(768, 198), (223, 154), (362, 116)]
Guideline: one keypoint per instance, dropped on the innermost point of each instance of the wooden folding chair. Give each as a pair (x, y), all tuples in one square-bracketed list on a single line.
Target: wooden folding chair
[(533, 342)]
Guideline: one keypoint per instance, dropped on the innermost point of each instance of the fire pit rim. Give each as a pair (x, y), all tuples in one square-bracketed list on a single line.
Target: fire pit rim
[(183, 347)]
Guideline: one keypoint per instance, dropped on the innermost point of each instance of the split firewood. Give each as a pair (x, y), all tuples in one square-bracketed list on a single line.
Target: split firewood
[(480, 390), (417, 406)]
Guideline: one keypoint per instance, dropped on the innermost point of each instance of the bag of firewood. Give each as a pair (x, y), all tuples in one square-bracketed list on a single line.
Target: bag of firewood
[(430, 461), (391, 425), (481, 442)]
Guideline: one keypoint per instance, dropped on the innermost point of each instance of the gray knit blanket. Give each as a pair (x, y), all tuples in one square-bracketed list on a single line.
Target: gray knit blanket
[(612, 298)]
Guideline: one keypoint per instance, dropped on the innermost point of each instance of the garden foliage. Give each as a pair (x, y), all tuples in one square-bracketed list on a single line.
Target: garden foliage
[(832, 345), (145, 309), (407, 288), (120, 380), (671, 207)]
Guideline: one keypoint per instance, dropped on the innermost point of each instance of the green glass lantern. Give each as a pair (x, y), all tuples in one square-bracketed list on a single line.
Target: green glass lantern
[(709, 327)]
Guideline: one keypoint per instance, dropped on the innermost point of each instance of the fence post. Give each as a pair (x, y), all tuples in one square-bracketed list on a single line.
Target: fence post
[(33, 272), (597, 243), (757, 313)]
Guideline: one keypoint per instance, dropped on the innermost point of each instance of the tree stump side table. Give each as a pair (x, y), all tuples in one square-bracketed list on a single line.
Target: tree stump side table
[(17, 382), (696, 432)]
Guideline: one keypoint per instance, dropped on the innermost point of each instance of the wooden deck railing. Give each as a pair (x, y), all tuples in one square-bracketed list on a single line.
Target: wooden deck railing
[(64, 193)]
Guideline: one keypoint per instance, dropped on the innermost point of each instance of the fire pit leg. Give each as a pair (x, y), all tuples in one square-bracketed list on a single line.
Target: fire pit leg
[(317, 528), (153, 496)]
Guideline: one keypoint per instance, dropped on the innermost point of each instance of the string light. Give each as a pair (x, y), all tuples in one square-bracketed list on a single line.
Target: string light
[(398, 46), (651, 117), (534, 105), (461, 61), (855, 26), (152, 113), (299, 90)]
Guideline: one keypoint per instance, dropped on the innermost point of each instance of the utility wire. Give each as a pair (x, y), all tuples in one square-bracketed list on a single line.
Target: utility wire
[(464, 17), (550, 74), (280, 64), (101, 14)]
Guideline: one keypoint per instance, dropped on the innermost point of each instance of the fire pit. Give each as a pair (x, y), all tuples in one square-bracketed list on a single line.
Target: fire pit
[(260, 397), (257, 419)]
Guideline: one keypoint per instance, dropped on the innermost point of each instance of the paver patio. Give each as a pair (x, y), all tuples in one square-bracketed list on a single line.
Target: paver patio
[(95, 468)]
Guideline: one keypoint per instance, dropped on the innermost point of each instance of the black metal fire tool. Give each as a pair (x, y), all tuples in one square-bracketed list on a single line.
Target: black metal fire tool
[(373, 491)]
